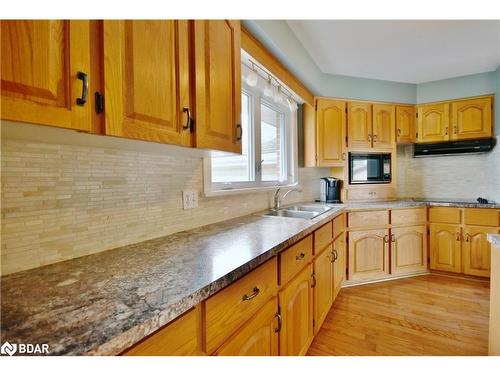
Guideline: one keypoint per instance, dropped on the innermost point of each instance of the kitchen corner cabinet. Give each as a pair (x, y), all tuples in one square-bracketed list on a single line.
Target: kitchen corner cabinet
[(296, 308), (46, 72), (323, 286), (471, 118), (359, 128), (477, 250), (217, 55), (259, 337), (445, 244), (147, 80), (405, 123), (433, 122), (408, 249), (331, 132), (368, 254)]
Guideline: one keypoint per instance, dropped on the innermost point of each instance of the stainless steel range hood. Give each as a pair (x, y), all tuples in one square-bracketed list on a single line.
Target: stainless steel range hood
[(475, 146)]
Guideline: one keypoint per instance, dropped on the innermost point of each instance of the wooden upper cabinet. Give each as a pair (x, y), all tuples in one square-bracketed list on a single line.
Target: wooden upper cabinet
[(331, 132), (384, 122), (405, 123), (472, 118), (433, 122), (258, 337), (359, 129), (146, 75), (218, 84), (445, 247), (477, 251), (368, 254), (41, 83), (296, 308)]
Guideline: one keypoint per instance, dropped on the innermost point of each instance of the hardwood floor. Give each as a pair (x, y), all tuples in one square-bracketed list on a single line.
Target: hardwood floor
[(424, 315)]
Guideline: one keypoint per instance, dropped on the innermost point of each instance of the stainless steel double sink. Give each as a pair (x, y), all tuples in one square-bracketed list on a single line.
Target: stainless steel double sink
[(305, 211)]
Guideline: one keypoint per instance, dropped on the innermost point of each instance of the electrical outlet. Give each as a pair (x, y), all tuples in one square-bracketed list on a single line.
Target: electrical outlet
[(189, 199)]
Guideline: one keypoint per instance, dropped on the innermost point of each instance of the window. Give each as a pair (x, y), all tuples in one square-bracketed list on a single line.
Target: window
[(268, 156)]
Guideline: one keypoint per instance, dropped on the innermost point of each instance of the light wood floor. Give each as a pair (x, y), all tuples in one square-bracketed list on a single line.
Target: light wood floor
[(424, 315)]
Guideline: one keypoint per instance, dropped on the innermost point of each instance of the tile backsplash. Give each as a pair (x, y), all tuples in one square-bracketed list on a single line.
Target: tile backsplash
[(451, 177), (61, 201)]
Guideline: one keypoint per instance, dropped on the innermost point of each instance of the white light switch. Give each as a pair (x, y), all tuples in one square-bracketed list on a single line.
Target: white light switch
[(189, 199)]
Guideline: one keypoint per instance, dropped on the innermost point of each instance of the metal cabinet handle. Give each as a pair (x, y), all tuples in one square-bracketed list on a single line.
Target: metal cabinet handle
[(280, 322), (455, 129), (369, 137), (189, 119), (332, 253), (446, 131), (255, 293), (386, 238), (399, 131), (467, 237), (393, 237), (85, 88), (300, 256), (313, 276), (238, 137), (458, 236), (374, 137), (335, 255)]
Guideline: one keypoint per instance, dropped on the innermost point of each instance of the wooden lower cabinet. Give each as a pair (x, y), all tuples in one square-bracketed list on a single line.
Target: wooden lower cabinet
[(408, 249), (259, 337), (181, 337), (323, 286), (296, 308), (445, 247), (476, 250), (339, 264), (368, 254)]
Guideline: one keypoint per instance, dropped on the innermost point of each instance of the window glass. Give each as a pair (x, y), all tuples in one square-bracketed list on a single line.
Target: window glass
[(271, 150)]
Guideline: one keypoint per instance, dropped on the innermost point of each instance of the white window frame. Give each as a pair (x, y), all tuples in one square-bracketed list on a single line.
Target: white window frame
[(288, 148)]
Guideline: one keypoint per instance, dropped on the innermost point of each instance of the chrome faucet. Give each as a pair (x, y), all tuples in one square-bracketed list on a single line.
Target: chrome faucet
[(277, 199)]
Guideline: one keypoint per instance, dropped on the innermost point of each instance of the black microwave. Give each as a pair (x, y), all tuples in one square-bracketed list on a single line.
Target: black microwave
[(369, 168)]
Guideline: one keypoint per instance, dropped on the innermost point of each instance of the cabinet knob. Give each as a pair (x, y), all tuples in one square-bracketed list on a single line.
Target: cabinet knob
[(458, 236), (280, 322), (238, 127), (313, 277), (300, 256)]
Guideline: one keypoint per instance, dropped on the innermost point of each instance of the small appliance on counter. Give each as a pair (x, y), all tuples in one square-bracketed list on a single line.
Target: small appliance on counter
[(330, 190)]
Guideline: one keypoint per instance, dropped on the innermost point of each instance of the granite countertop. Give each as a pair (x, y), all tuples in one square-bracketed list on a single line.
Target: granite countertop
[(105, 302)]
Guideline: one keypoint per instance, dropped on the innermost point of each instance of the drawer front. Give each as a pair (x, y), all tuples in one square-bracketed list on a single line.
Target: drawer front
[(338, 225), (295, 258), (232, 306), (444, 215), (179, 337), (482, 216), (370, 194), (322, 237), (368, 219), (409, 216)]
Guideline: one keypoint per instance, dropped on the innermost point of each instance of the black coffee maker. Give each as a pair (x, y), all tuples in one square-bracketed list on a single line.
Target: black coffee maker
[(330, 190)]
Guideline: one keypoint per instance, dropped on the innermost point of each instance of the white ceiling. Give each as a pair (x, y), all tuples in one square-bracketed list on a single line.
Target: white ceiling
[(412, 51)]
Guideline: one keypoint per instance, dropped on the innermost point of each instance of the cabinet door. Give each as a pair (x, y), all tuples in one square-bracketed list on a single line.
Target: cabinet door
[(477, 250), (368, 254), (408, 249), (339, 266), (433, 122), (146, 75), (405, 124), (218, 85), (323, 284), (259, 337), (40, 65), (384, 123), (296, 307), (359, 125), (331, 127), (471, 118), (445, 247)]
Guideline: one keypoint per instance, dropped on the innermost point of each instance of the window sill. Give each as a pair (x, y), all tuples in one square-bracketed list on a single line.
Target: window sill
[(249, 190)]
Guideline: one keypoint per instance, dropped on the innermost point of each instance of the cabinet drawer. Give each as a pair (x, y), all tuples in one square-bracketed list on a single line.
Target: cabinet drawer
[(409, 216), (444, 215), (295, 258), (482, 216), (370, 194), (338, 225), (232, 306), (368, 219), (322, 237), (179, 337)]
